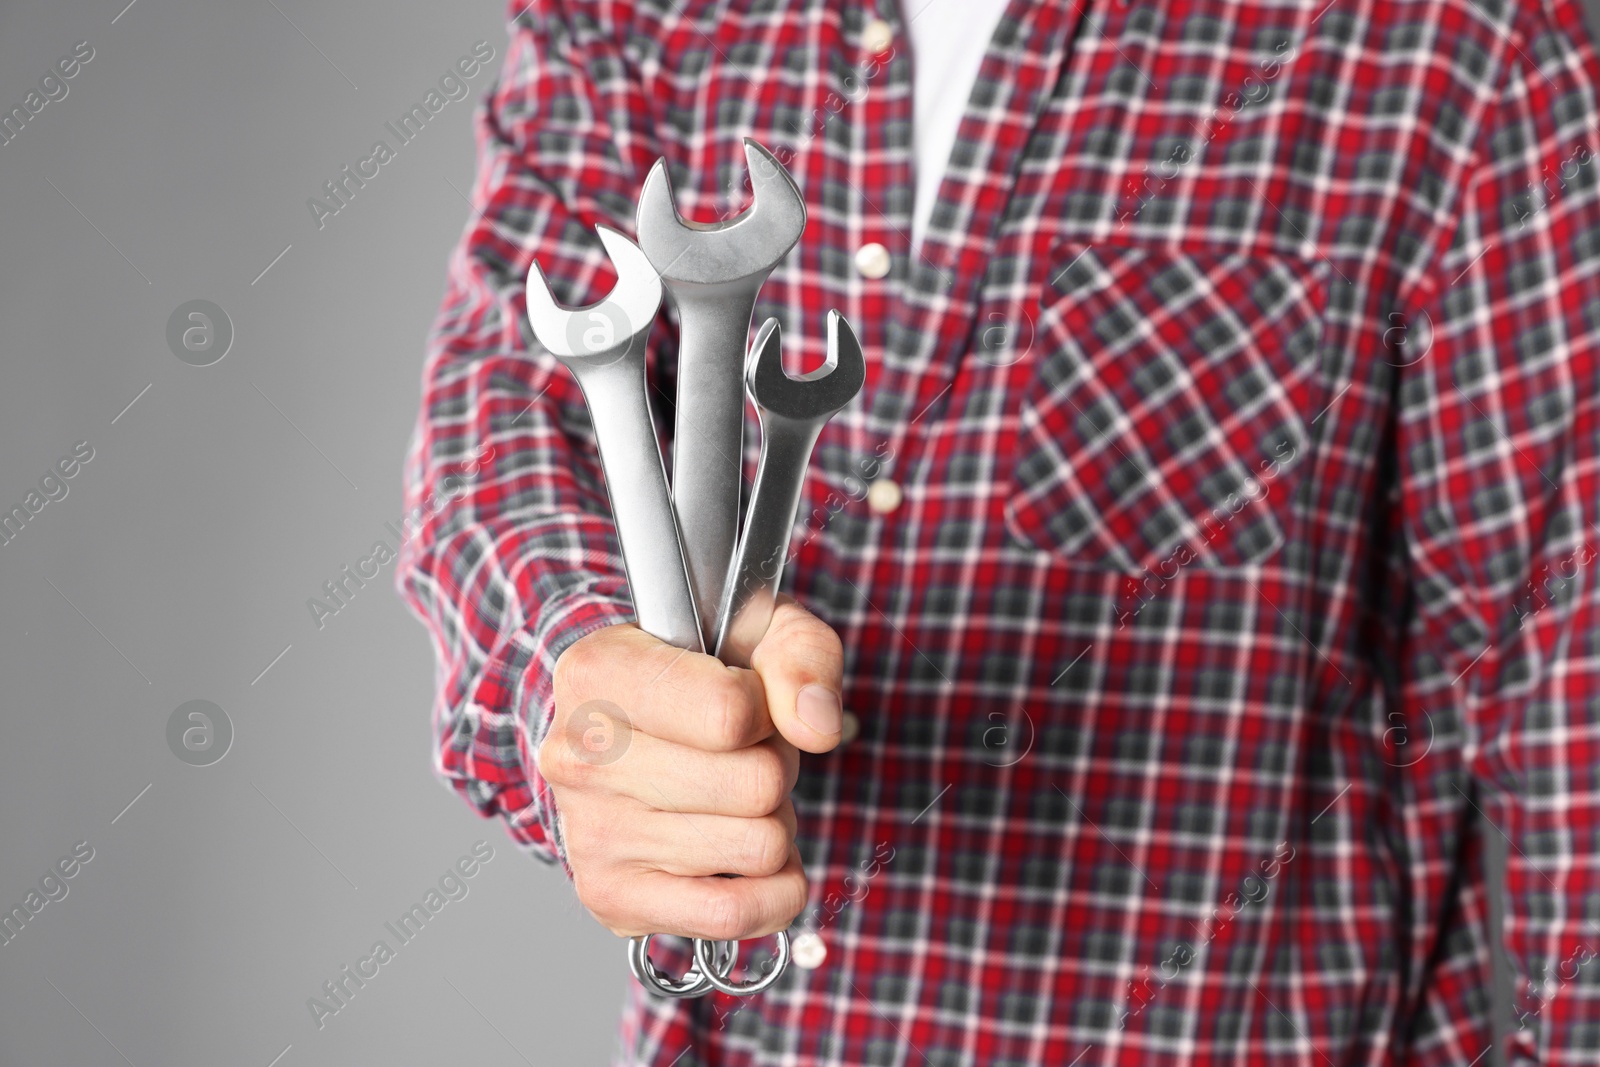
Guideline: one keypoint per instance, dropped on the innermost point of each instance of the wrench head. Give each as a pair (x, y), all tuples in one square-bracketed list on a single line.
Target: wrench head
[(815, 395), (605, 330), (717, 253)]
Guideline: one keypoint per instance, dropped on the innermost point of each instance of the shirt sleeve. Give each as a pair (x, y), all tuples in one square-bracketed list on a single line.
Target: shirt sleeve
[(509, 554), (1499, 463)]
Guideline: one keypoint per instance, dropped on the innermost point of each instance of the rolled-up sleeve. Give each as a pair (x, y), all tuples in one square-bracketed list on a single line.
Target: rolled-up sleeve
[(509, 552)]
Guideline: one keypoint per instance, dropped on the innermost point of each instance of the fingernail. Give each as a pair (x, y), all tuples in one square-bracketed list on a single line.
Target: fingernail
[(819, 708)]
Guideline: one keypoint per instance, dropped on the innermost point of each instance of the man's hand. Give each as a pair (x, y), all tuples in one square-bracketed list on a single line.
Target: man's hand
[(669, 768)]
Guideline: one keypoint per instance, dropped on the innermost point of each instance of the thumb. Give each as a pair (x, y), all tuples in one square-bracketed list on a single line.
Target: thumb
[(801, 664)]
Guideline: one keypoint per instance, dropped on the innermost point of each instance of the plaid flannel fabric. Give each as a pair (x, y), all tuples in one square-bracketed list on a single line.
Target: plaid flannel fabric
[(1245, 403)]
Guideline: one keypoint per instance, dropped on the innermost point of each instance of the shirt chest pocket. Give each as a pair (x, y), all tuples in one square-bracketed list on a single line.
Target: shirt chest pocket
[(1167, 415)]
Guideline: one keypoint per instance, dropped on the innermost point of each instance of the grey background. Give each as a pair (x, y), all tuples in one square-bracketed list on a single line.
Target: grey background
[(215, 906), (178, 566)]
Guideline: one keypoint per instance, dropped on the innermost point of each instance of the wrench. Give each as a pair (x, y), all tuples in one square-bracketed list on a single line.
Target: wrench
[(603, 344), (792, 412), (713, 272)]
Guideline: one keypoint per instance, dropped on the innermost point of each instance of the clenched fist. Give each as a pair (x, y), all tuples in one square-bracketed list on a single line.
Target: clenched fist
[(669, 769)]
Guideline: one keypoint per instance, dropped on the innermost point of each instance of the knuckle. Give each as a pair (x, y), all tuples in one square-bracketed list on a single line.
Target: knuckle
[(800, 639), (791, 895), (766, 782), (730, 715), (560, 763), (575, 666), (823, 640), (786, 815), (554, 758), (791, 768), (766, 847), (820, 650), (727, 915)]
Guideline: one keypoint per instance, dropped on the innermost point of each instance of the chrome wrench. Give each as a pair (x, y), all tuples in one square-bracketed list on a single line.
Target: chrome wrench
[(792, 412), (603, 345), (713, 272)]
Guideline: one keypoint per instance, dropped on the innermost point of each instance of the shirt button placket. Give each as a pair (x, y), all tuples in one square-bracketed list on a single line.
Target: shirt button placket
[(884, 114)]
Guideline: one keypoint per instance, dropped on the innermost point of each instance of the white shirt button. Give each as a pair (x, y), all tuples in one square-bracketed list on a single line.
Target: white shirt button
[(872, 260), (851, 728), (884, 496), (877, 37), (807, 950)]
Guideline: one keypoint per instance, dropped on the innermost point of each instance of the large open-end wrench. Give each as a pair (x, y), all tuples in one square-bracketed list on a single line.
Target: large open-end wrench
[(713, 271), (603, 345), (793, 412)]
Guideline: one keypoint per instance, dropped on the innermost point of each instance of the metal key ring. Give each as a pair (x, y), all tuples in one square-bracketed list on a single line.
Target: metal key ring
[(718, 977), (693, 984)]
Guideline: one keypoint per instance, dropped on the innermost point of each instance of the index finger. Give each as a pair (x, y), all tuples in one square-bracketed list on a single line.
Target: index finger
[(671, 693)]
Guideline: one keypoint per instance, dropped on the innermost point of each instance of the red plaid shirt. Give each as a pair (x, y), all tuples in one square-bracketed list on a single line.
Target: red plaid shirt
[(1244, 404)]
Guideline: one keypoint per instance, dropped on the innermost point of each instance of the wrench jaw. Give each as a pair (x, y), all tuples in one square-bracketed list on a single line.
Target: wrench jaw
[(817, 394), (608, 330), (741, 250)]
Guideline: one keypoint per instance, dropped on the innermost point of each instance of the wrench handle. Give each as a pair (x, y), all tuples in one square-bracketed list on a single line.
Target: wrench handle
[(708, 441), (752, 588), (636, 484)]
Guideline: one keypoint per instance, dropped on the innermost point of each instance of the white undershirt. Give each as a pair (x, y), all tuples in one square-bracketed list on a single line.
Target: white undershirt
[(949, 39)]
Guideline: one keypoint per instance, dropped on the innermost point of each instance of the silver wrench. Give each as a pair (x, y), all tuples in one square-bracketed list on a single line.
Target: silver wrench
[(603, 345), (793, 412), (713, 271)]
